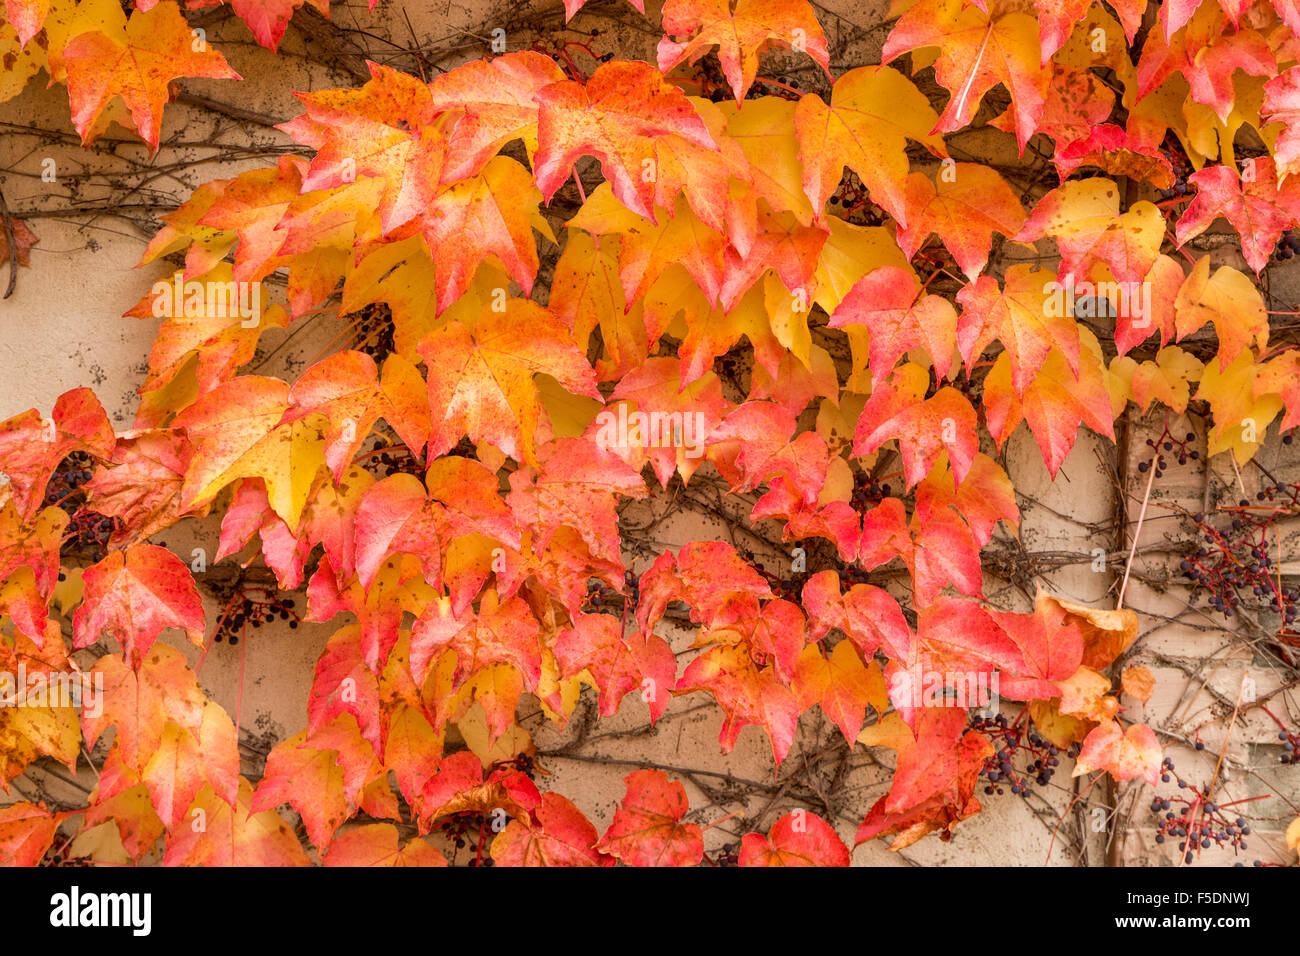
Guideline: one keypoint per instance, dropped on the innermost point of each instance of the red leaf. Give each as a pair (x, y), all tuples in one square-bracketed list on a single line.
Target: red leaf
[(648, 829), (558, 835), (797, 839), (1257, 206), (132, 596)]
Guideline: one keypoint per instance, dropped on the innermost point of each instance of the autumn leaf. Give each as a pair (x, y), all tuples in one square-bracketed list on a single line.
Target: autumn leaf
[(1138, 682), (24, 239), (741, 32), (558, 835), (673, 421), (136, 64), (1282, 105), (481, 378), (839, 683), (140, 702), (978, 50), (747, 694), (35, 724), (1280, 376), (505, 634), (709, 576), (1117, 153), (461, 786), (1124, 754), (491, 214), (578, 484), (1259, 208), (383, 130), (648, 828), (185, 762), (1058, 18), (237, 433), (377, 844), (923, 427), (624, 115), (234, 837), (872, 113), (268, 19), (1241, 412), (1206, 53), (867, 615), (486, 103), (133, 595), (311, 781), (964, 205), (26, 17), (1023, 316), (595, 645), (26, 832), (1050, 641), (347, 389), (1083, 217), (983, 498), (1053, 404), (901, 317), (797, 839), (31, 447)]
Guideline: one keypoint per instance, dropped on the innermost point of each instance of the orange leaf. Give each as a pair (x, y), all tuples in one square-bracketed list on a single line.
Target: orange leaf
[(137, 64), (648, 829)]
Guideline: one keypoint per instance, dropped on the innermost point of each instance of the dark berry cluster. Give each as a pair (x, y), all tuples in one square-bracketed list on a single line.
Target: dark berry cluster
[(602, 599), (88, 531), (469, 831), (728, 855), (972, 389), (1231, 563), (1290, 747), (59, 855), (374, 330), (850, 199), (1181, 188), (392, 460), (867, 493), (1289, 739), (65, 484), (1177, 447), (1194, 819), (252, 606), (1020, 757), (1287, 246), (525, 765)]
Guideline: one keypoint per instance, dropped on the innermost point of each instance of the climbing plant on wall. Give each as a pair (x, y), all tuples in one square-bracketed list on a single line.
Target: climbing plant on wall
[(573, 281)]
